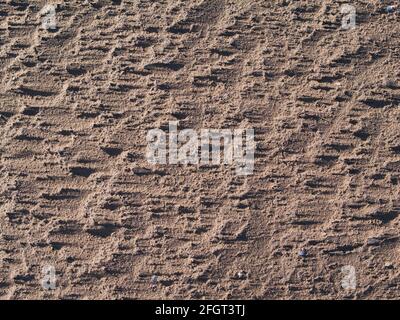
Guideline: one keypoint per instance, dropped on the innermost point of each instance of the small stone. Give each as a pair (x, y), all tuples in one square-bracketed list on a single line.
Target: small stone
[(388, 265), (242, 275), (373, 242), (154, 280), (391, 84), (390, 9), (303, 253)]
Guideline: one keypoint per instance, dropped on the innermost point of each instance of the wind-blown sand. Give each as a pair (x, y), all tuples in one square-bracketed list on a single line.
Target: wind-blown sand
[(76, 190)]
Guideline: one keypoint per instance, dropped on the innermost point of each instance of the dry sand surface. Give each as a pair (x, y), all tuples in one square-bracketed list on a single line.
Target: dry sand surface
[(78, 194)]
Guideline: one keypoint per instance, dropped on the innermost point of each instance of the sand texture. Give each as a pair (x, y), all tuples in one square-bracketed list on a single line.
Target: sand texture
[(76, 190)]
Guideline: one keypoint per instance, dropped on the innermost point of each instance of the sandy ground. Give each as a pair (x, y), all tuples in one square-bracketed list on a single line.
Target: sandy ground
[(77, 193)]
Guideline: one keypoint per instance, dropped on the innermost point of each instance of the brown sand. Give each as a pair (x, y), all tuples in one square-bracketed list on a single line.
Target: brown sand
[(77, 192)]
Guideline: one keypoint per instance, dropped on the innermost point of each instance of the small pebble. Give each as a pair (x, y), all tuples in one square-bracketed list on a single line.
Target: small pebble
[(242, 275), (373, 242), (154, 280), (390, 9), (391, 84), (303, 253)]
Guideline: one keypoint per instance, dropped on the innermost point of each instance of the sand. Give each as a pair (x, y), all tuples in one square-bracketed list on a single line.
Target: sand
[(79, 202)]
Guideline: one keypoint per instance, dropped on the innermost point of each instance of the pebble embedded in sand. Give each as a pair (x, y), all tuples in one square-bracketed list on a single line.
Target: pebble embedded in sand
[(241, 275), (154, 280), (391, 84), (373, 242), (390, 9), (303, 253), (388, 265)]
